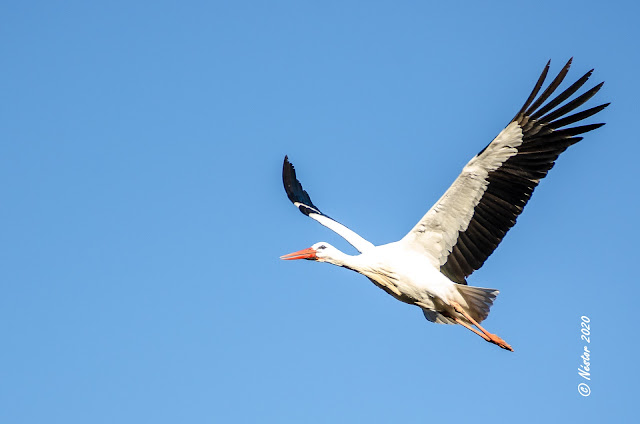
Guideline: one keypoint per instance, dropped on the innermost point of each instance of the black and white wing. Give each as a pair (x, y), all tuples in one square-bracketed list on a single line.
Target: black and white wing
[(469, 221), (300, 198)]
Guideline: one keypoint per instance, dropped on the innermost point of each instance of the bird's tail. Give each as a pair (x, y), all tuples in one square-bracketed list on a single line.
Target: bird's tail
[(479, 300)]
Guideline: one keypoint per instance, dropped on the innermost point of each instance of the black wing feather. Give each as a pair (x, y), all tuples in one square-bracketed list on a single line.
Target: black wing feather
[(512, 184), (294, 190)]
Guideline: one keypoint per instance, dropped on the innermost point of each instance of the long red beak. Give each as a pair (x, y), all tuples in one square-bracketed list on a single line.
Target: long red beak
[(309, 253)]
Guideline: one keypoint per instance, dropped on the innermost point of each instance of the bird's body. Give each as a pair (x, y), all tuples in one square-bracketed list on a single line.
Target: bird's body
[(403, 273), (428, 267)]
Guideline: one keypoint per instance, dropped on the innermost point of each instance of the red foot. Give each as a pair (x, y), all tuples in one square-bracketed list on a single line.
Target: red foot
[(497, 340)]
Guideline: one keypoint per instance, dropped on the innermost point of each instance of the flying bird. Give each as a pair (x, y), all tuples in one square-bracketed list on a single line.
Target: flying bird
[(429, 266)]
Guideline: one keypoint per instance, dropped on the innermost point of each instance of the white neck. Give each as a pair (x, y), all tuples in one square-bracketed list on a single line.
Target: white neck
[(341, 259)]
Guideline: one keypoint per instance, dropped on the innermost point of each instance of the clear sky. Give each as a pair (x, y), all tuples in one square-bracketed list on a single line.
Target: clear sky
[(143, 214)]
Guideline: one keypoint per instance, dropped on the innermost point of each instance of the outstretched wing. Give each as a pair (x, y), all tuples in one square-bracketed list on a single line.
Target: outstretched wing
[(300, 198), (469, 221)]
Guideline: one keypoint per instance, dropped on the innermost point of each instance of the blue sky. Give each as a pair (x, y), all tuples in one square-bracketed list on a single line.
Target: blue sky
[(141, 146)]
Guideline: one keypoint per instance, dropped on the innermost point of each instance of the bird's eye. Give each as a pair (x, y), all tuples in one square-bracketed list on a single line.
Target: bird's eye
[(322, 246)]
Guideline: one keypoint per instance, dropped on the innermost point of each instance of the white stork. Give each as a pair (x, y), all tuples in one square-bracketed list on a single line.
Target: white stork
[(428, 267)]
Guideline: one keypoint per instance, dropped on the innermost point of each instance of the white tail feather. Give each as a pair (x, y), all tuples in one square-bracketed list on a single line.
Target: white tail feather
[(479, 300)]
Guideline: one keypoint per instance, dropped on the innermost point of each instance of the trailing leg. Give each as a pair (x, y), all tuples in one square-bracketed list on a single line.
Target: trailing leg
[(492, 338)]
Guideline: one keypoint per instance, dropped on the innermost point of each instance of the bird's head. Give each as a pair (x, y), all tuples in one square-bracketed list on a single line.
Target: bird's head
[(321, 252)]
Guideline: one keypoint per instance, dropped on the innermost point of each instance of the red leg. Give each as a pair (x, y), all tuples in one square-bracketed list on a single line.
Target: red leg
[(467, 326), (493, 338)]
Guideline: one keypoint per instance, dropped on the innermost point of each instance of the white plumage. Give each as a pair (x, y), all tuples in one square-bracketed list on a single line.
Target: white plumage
[(428, 267)]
